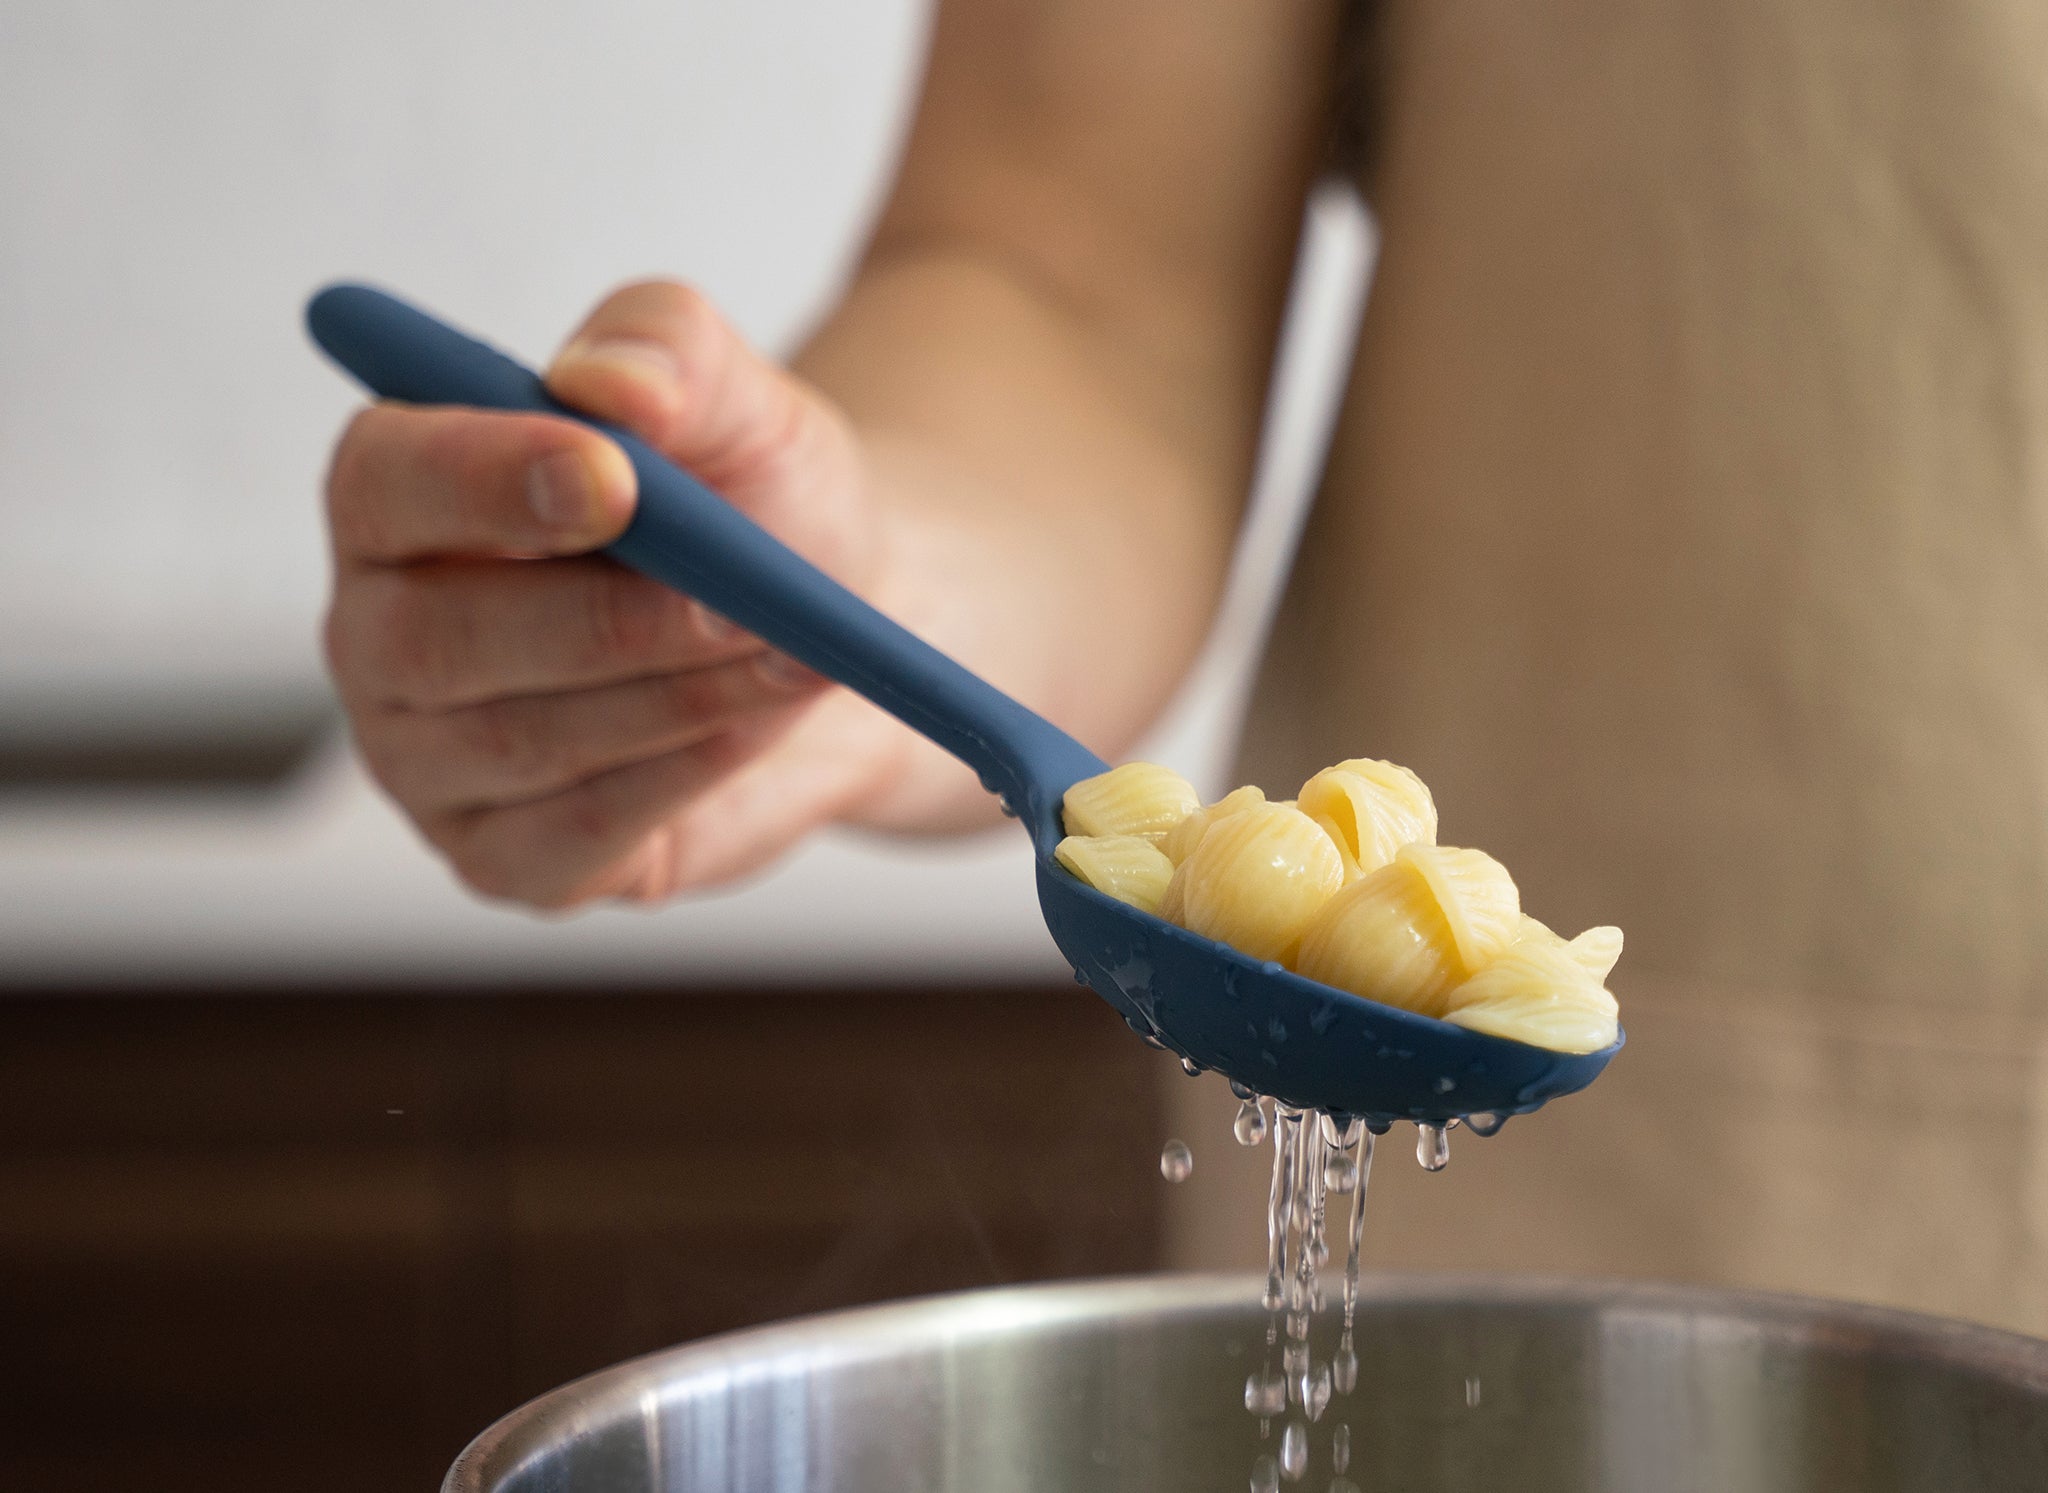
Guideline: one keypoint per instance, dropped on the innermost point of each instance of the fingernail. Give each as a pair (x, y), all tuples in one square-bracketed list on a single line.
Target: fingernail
[(710, 624), (633, 358), (783, 672), (561, 492)]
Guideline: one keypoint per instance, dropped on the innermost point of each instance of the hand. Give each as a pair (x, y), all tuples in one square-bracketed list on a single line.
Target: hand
[(564, 729)]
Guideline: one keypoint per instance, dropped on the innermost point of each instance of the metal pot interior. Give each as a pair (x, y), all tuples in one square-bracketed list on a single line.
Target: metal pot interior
[(1464, 1386)]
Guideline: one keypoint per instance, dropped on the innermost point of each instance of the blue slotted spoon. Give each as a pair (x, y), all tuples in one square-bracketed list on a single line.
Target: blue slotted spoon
[(1306, 1044)]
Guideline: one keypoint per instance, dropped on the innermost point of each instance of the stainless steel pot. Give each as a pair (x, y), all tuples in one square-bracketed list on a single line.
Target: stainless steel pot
[(1463, 1386)]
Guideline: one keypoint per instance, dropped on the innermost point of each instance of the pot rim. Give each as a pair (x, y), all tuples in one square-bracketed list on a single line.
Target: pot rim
[(850, 1335)]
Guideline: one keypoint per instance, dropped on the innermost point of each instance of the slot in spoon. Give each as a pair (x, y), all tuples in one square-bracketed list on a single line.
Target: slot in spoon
[(1307, 1045)]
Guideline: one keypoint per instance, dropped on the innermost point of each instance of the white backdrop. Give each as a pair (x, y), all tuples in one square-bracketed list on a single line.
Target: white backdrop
[(174, 178)]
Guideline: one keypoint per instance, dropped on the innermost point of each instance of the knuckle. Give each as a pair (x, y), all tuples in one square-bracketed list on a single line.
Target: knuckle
[(449, 449), (693, 697), (354, 523), (586, 818), (630, 616), (485, 874), (415, 646), (478, 859), (492, 735)]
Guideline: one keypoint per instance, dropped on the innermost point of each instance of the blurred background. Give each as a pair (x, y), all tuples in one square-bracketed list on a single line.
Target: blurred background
[(310, 1163)]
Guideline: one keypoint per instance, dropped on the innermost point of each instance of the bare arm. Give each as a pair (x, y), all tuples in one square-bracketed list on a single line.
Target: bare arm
[(1057, 346)]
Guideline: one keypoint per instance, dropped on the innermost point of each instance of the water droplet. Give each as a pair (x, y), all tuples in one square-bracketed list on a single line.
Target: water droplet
[(1340, 1173), (1294, 1451), (1265, 1475), (1297, 1326), (1176, 1161), (1340, 1448), (1432, 1147), (1276, 1029), (1485, 1124), (1243, 1091), (1009, 809), (1344, 1369), (1265, 1392), (1334, 1134), (1250, 1125), (1472, 1394), (1294, 1358), (1312, 1390), (1190, 1067), (1445, 1085)]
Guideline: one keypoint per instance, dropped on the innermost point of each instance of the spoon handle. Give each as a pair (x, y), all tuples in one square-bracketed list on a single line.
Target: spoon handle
[(686, 536)]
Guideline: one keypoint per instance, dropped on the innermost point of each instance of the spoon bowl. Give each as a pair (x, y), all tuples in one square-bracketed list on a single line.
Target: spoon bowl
[(1306, 1044)]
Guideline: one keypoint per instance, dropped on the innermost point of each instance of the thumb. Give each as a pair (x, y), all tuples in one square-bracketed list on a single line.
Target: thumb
[(658, 359)]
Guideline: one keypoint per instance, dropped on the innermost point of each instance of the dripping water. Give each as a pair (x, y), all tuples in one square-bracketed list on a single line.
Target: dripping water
[(1176, 1161), (1316, 1157), (1294, 1451), (1433, 1147), (1250, 1125)]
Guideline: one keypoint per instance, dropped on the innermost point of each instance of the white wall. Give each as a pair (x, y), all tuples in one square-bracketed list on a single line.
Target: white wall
[(174, 178)]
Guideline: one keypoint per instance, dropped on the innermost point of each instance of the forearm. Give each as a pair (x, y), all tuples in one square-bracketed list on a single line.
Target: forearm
[(1051, 520)]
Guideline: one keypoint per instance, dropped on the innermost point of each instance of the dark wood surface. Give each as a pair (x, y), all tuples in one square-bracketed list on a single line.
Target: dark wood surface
[(301, 1244)]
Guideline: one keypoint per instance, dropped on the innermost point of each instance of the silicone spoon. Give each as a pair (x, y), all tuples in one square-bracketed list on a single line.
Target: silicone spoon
[(1307, 1045)]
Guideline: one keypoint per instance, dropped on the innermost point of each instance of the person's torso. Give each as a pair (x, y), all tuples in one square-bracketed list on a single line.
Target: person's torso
[(1687, 530)]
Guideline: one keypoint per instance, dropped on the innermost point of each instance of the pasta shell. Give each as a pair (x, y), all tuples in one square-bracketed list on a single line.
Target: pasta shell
[(1597, 949), (1181, 840), (1174, 905), (1539, 993), (1256, 879), (1129, 868), (1384, 937), (1478, 899), (1371, 809), (1138, 798)]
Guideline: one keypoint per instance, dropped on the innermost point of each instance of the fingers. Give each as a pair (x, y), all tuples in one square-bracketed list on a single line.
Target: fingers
[(512, 751), (593, 839), (834, 759), (700, 817), (409, 484), (445, 635), (659, 359)]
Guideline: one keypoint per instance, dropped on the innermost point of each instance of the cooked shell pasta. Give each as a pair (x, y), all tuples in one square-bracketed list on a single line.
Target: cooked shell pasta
[(1129, 868), (1478, 899), (1537, 992), (1346, 885), (1371, 809), (1138, 798), (1257, 877), (1182, 839), (1597, 949), (1384, 937)]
